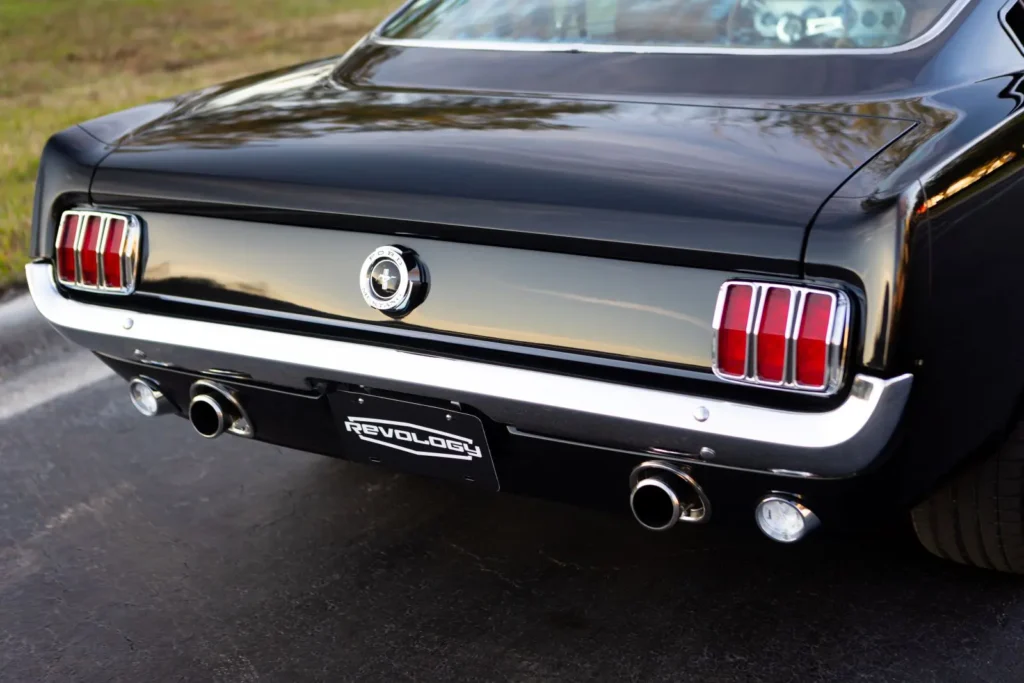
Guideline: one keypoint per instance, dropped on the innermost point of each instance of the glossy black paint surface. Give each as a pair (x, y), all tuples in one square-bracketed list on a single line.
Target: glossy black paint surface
[(930, 229), (65, 172), (660, 183), (873, 230), (964, 333), (582, 304)]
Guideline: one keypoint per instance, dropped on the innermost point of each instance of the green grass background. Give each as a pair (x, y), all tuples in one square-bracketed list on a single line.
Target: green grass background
[(67, 61)]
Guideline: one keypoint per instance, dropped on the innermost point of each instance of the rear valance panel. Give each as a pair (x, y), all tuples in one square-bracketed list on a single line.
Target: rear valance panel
[(641, 311)]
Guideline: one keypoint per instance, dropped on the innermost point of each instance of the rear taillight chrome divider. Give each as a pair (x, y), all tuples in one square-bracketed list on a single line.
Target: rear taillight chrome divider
[(126, 249), (835, 337), (839, 331)]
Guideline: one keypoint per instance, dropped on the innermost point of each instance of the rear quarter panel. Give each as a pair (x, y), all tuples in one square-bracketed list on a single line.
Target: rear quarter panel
[(930, 230)]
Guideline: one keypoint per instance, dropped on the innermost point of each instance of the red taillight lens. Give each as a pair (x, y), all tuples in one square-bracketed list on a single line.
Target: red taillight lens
[(99, 251), (732, 333), (771, 335), (112, 253), (812, 341), (66, 249), (90, 251), (798, 336)]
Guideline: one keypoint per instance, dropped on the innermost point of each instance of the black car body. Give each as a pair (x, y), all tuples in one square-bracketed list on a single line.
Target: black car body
[(569, 218)]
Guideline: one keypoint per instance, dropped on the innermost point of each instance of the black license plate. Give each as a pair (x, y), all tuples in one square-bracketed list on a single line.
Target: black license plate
[(416, 438)]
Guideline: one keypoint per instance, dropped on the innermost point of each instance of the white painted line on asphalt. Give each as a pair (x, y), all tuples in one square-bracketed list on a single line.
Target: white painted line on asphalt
[(45, 383), (17, 311), (96, 505)]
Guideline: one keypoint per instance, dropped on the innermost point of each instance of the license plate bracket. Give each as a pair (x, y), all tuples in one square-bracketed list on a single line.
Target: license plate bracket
[(413, 437)]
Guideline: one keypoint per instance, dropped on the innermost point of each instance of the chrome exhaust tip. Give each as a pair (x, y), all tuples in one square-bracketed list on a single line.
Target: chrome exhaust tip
[(783, 518), (663, 494), (207, 416), (654, 504), (147, 398), (215, 409)]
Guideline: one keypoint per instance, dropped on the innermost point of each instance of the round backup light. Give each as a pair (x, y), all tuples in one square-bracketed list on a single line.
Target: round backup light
[(783, 519), (147, 399)]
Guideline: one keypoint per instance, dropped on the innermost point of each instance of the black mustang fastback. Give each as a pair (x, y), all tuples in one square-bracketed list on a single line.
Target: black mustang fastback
[(693, 258)]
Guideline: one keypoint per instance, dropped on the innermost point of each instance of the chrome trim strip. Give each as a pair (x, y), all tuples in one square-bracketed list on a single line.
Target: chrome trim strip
[(752, 319), (1004, 10), (754, 334), (795, 306), (944, 21), (839, 335), (716, 323), (127, 267), (101, 243), (83, 220), (131, 246), (835, 443), (798, 320)]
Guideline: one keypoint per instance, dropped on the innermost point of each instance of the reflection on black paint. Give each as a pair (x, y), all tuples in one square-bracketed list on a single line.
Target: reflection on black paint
[(317, 112), (322, 110), (728, 187)]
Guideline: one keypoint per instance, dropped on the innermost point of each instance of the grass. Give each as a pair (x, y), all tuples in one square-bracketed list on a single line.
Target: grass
[(67, 61)]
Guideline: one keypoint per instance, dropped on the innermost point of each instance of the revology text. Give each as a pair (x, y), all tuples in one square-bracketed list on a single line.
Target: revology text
[(392, 434)]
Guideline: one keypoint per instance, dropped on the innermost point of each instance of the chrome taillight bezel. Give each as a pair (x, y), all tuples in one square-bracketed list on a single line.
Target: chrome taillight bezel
[(837, 337), (128, 251)]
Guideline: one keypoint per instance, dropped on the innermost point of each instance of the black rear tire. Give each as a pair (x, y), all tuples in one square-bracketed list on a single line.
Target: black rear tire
[(975, 519)]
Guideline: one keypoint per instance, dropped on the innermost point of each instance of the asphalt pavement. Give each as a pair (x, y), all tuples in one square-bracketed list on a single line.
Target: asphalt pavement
[(132, 550)]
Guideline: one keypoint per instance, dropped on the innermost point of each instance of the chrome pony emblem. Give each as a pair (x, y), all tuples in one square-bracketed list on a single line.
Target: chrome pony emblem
[(393, 280)]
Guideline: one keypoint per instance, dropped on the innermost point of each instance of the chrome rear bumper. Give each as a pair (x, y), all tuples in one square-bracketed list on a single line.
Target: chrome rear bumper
[(837, 443)]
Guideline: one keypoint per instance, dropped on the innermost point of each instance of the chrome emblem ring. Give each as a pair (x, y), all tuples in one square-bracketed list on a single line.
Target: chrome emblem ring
[(392, 280)]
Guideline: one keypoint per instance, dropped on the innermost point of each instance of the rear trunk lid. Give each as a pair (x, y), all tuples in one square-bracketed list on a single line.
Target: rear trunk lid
[(705, 186)]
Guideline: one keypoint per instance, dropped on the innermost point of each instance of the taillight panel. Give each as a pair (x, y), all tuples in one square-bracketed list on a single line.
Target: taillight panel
[(782, 336), (98, 251)]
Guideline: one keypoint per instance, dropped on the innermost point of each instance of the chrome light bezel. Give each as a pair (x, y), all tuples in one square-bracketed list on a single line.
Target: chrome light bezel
[(128, 251), (838, 337)]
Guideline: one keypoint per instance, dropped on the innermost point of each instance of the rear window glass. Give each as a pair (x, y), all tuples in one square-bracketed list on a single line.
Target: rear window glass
[(703, 23)]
